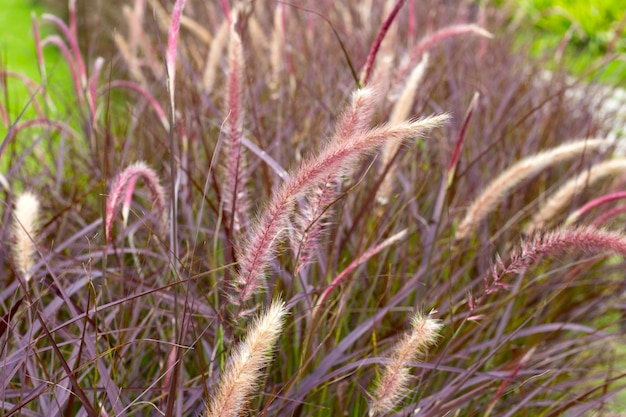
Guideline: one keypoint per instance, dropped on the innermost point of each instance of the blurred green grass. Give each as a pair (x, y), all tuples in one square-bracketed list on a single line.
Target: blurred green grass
[(595, 29), (17, 42), (17, 49), (18, 54)]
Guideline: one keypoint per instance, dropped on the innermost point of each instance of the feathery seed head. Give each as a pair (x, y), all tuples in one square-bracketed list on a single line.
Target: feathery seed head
[(502, 185), (242, 373), (358, 116), (391, 386), (235, 201), (123, 189), (172, 41), (339, 157), (571, 188), (585, 240), (26, 218)]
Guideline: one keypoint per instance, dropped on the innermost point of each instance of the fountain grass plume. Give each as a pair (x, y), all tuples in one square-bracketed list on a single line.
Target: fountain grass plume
[(576, 240), (122, 189), (234, 194), (564, 195), (242, 373), (435, 38), (213, 57), (500, 187), (25, 223), (400, 111), (336, 159), (391, 387), (316, 205), (310, 222), (172, 43), (358, 116)]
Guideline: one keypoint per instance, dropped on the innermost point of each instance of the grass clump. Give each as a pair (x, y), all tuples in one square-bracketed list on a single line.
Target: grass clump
[(313, 155)]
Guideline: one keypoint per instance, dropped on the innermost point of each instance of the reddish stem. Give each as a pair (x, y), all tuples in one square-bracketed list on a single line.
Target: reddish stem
[(597, 202), (371, 57)]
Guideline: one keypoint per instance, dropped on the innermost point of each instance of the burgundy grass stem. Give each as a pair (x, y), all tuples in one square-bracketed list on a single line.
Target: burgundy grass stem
[(371, 57), (593, 204)]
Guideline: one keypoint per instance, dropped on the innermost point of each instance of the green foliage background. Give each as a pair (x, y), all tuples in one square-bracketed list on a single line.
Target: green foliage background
[(596, 28), (18, 54), (16, 40)]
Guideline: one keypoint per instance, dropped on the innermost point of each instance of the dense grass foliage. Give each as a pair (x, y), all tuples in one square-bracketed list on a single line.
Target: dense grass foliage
[(335, 208)]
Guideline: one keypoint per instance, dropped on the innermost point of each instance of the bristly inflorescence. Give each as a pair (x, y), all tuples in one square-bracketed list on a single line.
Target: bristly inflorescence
[(582, 240), (336, 159), (391, 387), (519, 172), (564, 195), (122, 191), (25, 223), (235, 196), (242, 373)]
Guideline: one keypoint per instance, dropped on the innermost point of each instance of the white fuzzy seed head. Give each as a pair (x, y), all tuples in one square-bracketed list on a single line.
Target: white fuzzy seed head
[(25, 222), (243, 372), (392, 385)]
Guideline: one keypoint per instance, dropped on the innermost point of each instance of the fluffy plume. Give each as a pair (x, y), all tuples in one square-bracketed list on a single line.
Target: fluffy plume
[(172, 43), (500, 187), (311, 219), (400, 111), (586, 240), (213, 58), (277, 47), (25, 221), (234, 195), (391, 387), (434, 39), (358, 117), (241, 375), (564, 195), (335, 160), (123, 189)]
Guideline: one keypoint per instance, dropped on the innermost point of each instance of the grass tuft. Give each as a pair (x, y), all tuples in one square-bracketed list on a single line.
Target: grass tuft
[(293, 188)]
